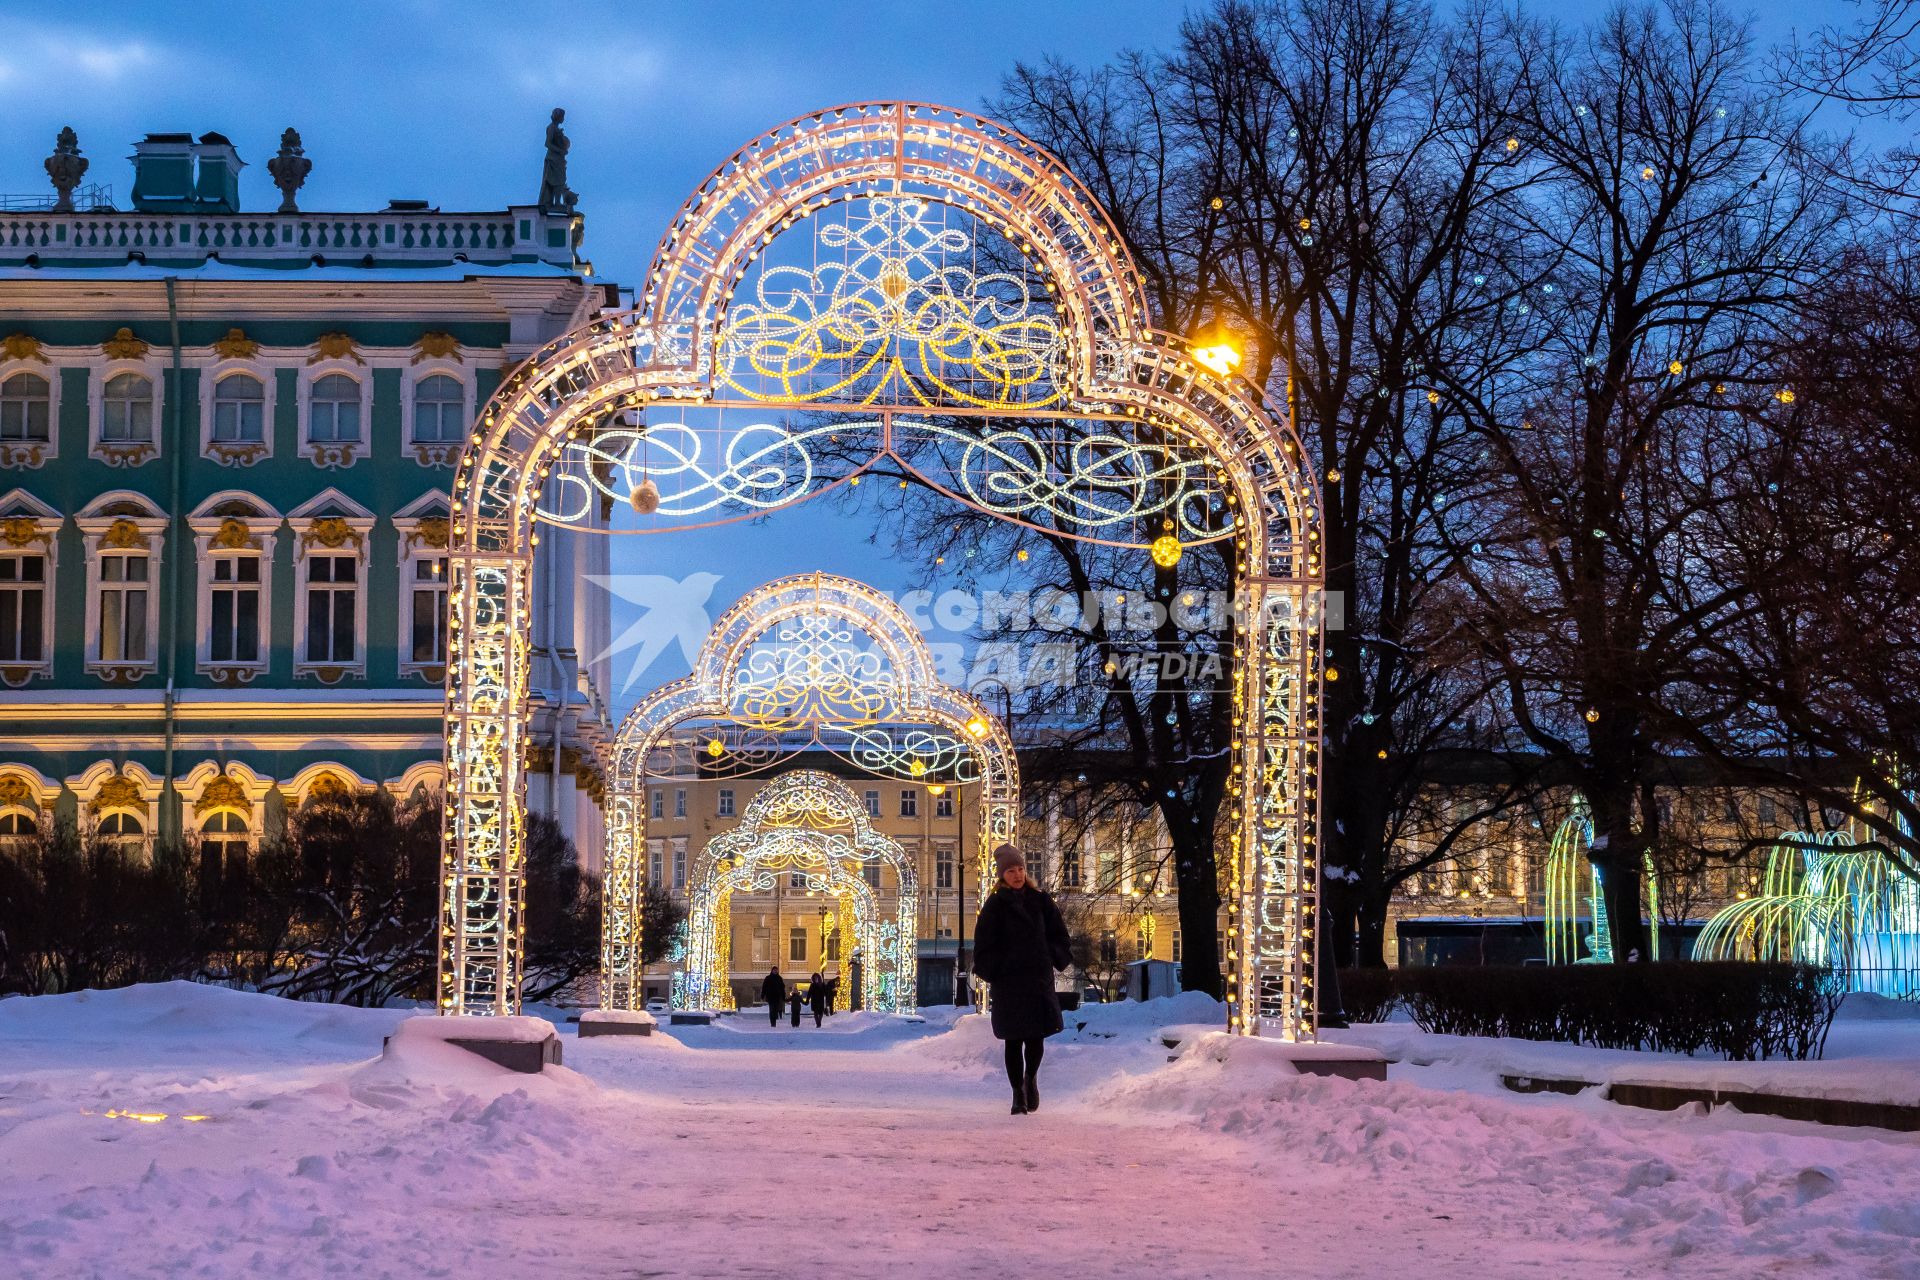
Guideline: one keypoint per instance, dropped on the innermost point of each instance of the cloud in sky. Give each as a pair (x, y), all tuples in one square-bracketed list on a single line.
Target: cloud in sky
[(43, 58)]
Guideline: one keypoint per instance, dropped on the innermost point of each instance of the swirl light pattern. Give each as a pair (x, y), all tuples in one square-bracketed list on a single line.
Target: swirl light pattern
[(1091, 481), (899, 320), (685, 343)]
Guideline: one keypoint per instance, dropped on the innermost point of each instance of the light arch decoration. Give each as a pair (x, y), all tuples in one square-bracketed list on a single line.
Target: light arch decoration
[(925, 355), (797, 656), (808, 823)]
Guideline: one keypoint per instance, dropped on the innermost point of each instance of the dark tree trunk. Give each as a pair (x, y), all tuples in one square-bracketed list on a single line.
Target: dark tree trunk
[(1340, 918), (1617, 856), (1196, 877), (1372, 948)]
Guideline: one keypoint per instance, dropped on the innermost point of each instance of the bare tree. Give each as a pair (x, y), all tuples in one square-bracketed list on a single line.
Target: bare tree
[(1679, 232), (1815, 687)]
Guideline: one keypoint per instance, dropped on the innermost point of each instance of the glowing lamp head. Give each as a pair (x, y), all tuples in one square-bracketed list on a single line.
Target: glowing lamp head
[(1166, 551), (1221, 356), (937, 788)]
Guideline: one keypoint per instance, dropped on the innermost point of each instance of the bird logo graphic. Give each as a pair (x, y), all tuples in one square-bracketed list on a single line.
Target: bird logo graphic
[(675, 609)]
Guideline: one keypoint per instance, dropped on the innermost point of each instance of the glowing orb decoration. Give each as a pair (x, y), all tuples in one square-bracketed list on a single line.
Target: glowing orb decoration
[(1166, 551), (1221, 357)]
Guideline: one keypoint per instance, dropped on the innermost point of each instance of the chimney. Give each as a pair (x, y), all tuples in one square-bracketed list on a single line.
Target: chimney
[(217, 189), (163, 173), (173, 174)]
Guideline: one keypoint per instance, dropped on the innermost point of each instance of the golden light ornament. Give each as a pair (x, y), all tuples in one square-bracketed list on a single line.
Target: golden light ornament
[(716, 748), (1166, 551), (645, 498), (1676, 368)]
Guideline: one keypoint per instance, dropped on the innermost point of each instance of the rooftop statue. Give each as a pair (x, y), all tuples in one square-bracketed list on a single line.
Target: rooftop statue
[(555, 195)]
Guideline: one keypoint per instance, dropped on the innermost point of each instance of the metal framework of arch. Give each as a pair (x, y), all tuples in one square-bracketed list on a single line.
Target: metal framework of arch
[(810, 823), (786, 657), (896, 328)]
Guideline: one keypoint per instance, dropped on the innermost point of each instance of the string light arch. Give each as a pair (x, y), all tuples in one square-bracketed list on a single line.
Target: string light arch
[(841, 655), (1061, 334), (807, 824)]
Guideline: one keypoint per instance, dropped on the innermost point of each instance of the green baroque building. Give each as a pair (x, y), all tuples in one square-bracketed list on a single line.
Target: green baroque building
[(226, 443)]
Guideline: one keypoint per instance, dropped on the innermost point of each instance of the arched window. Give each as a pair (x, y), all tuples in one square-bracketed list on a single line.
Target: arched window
[(239, 409), (223, 851), (123, 831), (127, 408), (17, 828), (439, 410), (24, 411), (335, 412)]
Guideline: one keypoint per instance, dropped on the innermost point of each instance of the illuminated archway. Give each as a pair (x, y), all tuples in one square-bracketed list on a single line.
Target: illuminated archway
[(822, 660), (807, 823), (918, 354)]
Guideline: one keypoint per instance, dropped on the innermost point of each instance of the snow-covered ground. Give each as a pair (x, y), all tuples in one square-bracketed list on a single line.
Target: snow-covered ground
[(288, 1148)]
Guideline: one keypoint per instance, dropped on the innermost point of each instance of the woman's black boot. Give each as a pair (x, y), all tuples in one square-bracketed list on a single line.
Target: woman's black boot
[(1019, 1100), (1032, 1099)]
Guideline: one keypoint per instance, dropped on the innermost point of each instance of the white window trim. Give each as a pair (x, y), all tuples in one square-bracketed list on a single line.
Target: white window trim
[(151, 532), (329, 454), (120, 453), (45, 535), (146, 807), (306, 542), (193, 787), (28, 454), (434, 453), (419, 540), (230, 453), (261, 535)]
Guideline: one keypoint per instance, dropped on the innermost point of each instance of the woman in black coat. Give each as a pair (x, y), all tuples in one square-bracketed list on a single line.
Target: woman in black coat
[(818, 994), (1018, 942)]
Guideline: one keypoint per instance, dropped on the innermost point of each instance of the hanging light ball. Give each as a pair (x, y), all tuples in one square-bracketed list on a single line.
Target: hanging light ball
[(716, 748), (646, 498), (1166, 551)]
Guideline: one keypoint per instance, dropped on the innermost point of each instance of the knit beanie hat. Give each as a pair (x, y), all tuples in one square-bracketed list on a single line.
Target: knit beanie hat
[(1007, 856)]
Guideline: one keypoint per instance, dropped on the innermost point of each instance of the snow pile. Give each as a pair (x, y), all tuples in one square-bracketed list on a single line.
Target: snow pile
[(184, 1022), (1778, 1194), (1873, 1055), (182, 1130)]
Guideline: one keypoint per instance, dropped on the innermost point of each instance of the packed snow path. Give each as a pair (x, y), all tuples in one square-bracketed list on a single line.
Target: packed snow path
[(865, 1148)]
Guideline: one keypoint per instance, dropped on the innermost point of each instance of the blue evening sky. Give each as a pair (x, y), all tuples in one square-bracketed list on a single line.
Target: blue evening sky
[(448, 102)]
